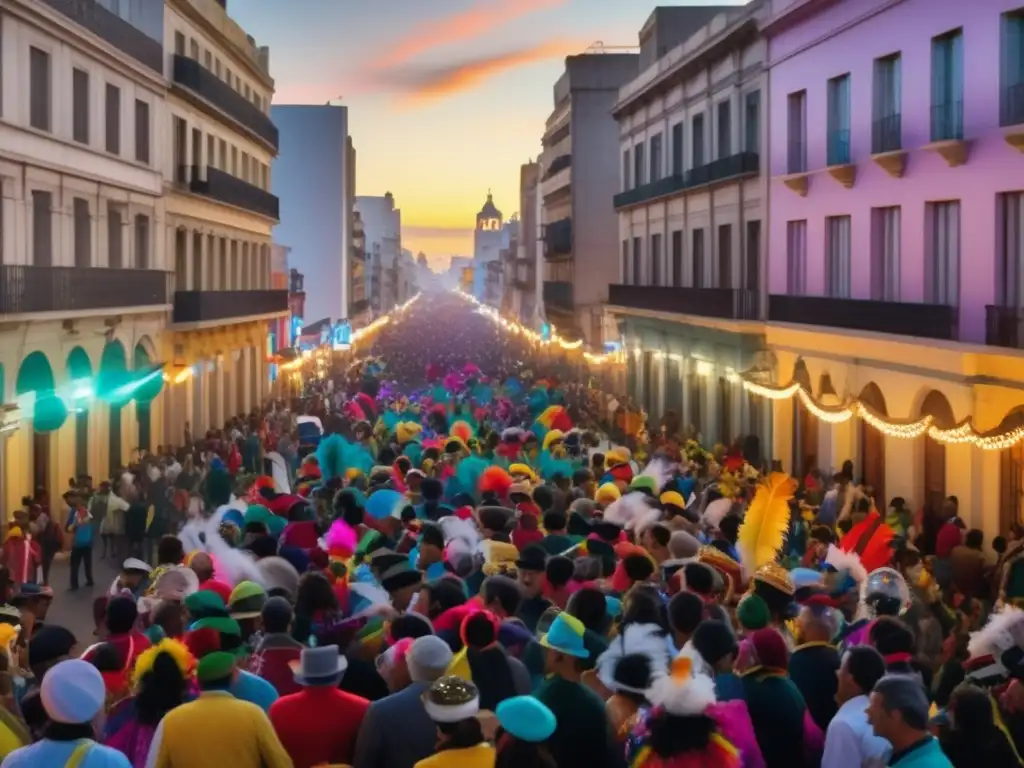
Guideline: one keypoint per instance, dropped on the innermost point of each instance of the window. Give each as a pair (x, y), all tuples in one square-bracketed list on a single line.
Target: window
[(942, 270), (697, 258), (208, 60), (837, 257), (839, 120), (222, 155), (725, 256), (724, 129), (1010, 265), (796, 258), (885, 134), (141, 241), (697, 132), (625, 262), (245, 166), (180, 149), (1012, 54), (42, 228), (677, 149), (113, 113), (948, 86), (752, 122), (83, 233), (752, 267), (885, 254), (638, 165), (197, 262), (655, 259), (655, 158), (625, 170), (796, 154), (211, 155), (142, 131), (115, 255), (80, 106), (39, 89), (228, 77), (638, 276), (193, 49), (179, 43), (677, 258), (216, 67)]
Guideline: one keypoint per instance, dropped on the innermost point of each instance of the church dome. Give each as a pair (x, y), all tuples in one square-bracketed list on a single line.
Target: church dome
[(489, 211)]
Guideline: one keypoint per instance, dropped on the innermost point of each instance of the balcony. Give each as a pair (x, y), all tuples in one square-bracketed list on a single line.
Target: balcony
[(926, 321), (838, 159), (1004, 327), (225, 188), (557, 177), (214, 92), (205, 306), (558, 164), (558, 296), (558, 238), (79, 289), (796, 166), (1011, 115), (887, 145), (114, 30), (725, 169), (947, 133), (721, 303)]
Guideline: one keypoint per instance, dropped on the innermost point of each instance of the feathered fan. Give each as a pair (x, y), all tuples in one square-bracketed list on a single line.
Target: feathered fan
[(641, 646), (871, 539), (764, 528), (850, 562)]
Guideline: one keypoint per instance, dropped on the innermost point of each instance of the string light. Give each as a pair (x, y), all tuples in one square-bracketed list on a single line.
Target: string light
[(963, 433)]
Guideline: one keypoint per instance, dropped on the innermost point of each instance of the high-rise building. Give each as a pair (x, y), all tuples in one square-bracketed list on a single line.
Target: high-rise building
[(382, 225), (314, 181)]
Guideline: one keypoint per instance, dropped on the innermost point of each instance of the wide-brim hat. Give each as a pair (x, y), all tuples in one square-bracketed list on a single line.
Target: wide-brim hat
[(319, 666), (565, 635), (134, 565)]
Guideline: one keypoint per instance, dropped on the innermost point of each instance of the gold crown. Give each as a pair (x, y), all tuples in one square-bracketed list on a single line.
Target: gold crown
[(775, 576)]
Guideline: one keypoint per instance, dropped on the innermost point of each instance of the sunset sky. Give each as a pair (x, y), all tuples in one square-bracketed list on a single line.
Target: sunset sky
[(446, 98)]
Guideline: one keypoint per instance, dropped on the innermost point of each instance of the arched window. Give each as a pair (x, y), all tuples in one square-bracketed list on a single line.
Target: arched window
[(933, 491), (871, 444)]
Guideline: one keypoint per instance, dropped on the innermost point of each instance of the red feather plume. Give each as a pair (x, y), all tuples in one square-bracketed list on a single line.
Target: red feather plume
[(871, 539), (495, 480)]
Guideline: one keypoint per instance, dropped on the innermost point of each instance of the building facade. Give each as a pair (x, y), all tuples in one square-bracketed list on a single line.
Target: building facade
[(312, 179), (382, 225), (897, 205), (83, 266), (487, 240), (690, 211), (578, 173), (219, 216), (359, 307), (522, 273)]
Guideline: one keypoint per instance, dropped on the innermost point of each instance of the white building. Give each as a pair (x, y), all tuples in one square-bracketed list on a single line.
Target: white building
[(220, 214), (487, 244), (83, 269), (382, 227), (690, 210), (310, 179), (578, 180)]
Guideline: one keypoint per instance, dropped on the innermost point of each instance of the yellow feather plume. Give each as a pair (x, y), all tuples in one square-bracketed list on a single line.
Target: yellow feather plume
[(764, 528), (177, 650)]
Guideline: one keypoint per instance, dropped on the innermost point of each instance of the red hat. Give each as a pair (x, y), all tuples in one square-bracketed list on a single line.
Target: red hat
[(202, 641), (219, 587)]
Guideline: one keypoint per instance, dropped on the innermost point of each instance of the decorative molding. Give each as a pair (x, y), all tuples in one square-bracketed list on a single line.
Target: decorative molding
[(845, 174), (953, 151), (893, 163), (1014, 136)]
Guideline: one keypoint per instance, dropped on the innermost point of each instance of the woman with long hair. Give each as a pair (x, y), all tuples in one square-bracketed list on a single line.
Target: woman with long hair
[(453, 704)]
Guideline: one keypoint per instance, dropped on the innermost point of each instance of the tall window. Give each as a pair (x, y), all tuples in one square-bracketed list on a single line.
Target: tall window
[(677, 149), (625, 170), (752, 263), (1010, 264), (39, 87), (83, 233), (1012, 69), (885, 254), (697, 258), (198, 240), (179, 43), (656, 158), (638, 274), (942, 269), (837, 257), (80, 106), (655, 259), (948, 86), (115, 237), (839, 120), (796, 148), (725, 256), (796, 257), (113, 115), (141, 241), (752, 122), (697, 134), (677, 258), (724, 129), (142, 131), (42, 228), (885, 133), (625, 262), (638, 165)]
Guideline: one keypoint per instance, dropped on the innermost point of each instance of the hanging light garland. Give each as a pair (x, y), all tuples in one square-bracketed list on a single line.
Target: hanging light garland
[(963, 433)]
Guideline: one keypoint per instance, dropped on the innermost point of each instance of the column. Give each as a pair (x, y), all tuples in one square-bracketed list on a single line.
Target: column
[(684, 377), (245, 374), (709, 383)]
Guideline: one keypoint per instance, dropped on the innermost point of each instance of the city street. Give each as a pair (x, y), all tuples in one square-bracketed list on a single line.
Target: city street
[(74, 609)]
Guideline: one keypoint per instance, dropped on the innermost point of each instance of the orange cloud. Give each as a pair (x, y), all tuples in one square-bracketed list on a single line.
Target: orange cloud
[(460, 27)]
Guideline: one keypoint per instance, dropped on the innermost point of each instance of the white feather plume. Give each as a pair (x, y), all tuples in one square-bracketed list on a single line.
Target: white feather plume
[(842, 560), (690, 696), (457, 529), (189, 535), (644, 520), (233, 565), (660, 470), (373, 594), (1002, 631), (279, 469), (716, 511), (636, 640), (624, 510), (511, 433)]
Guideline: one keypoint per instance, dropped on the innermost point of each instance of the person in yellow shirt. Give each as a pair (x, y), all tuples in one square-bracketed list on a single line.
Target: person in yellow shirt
[(453, 704), (217, 730)]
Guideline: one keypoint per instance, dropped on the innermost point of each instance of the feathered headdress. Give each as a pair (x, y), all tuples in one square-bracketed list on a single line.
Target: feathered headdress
[(628, 509), (462, 430), (341, 541), (1003, 630), (764, 528), (685, 691), (178, 651), (634, 659), (871, 539), (849, 562)]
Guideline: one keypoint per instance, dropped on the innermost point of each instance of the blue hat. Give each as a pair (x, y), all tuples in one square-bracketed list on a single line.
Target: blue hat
[(526, 718), (805, 577), (566, 636)]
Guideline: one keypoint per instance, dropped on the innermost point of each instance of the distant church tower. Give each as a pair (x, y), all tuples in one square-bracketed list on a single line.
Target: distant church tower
[(486, 243)]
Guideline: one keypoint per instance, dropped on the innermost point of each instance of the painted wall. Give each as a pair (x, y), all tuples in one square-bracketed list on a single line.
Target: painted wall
[(847, 39)]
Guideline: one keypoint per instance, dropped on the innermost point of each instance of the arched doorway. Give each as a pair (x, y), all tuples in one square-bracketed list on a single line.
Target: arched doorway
[(872, 445), (111, 386), (1011, 474), (805, 427), (36, 388), (933, 488), (149, 381), (81, 394)]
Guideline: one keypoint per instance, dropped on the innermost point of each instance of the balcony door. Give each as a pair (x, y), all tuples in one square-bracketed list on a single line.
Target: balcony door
[(872, 445), (752, 258), (180, 150), (933, 475)]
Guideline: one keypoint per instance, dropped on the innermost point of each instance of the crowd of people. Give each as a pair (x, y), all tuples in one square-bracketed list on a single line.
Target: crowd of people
[(445, 556)]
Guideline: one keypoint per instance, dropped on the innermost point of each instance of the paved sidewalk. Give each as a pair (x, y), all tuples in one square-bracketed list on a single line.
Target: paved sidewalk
[(74, 609)]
